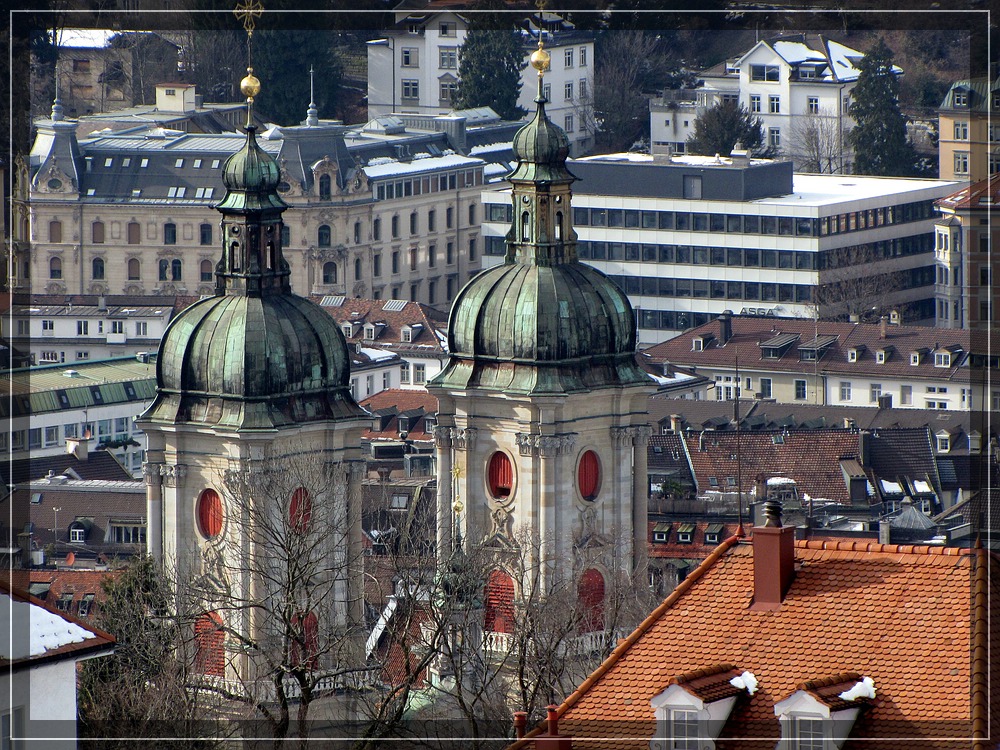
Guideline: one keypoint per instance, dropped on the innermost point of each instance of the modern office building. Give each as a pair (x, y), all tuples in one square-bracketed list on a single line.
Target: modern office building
[(688, 237)]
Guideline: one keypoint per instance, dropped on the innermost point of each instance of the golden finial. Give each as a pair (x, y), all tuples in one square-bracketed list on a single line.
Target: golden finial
[(540, 59), (457, 472), (458, 506)]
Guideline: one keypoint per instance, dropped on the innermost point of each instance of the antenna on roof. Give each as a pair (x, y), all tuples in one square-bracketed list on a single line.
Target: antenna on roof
[(739, 455)]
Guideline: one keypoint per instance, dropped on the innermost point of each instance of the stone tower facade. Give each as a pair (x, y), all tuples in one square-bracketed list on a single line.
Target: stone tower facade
[(542, 409), (254, 443)]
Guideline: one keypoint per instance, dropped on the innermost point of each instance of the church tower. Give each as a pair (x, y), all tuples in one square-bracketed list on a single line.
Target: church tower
[(254, 438), (542, 422)]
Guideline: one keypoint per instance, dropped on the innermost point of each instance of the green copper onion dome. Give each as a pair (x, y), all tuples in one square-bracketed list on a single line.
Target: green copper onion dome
[(254, 355), (543, 322)]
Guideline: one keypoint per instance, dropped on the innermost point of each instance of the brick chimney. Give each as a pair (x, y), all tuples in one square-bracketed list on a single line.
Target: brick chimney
[(725, 326), (79, 447), (773, 559), (676, 423), (552, 740), (883, 327)]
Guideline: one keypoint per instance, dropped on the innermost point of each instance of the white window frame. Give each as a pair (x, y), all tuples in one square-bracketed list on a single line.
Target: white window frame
[(846, 390), (755, 103), (774, 104), (812, 105)]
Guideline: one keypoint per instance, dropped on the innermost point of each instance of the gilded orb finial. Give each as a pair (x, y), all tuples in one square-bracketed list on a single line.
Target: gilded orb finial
[(540, 59), (250, 85)]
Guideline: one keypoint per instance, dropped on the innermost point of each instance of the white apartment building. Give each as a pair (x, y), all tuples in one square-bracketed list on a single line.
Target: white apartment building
[(799, 87), (413, 68), (57, 330), (97, 400), (689, 237)]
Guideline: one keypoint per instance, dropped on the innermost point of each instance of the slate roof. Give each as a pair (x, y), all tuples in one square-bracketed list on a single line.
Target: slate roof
[(978, 91), (811, 458), (749, 332), (898, 614), (99, 464), (95, 503)]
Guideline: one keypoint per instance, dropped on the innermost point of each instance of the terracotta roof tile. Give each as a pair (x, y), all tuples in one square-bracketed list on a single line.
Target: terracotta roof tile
[(899, 614)]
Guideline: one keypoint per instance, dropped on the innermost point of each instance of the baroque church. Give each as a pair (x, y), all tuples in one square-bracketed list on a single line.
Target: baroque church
[(542, 417)]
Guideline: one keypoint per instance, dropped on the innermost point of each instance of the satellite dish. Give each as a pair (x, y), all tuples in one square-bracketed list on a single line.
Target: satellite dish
[(70, 559)]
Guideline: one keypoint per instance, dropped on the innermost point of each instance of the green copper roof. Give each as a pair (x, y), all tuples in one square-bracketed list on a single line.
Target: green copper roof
[(252, 363), (251, 177), (541, 148), (541, 329)]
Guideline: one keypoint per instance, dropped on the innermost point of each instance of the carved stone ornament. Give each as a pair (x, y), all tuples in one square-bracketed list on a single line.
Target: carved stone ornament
[(545, 445), (151, 473), (443, 437), (502, 521), (464, 438), (589, 535), (53, 179), (172, 474)]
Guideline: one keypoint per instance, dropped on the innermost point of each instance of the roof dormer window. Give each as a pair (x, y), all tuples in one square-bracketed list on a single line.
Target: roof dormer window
[(881, 356), (696, 705), (943, 441), (942, 359), (348, 330), (821, 713), (914, 358), (852, 355), (369, 332)]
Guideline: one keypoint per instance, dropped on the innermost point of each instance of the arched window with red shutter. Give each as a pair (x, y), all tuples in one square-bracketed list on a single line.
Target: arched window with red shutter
[(499, 614), (210, 640), (590, 593), (500, 475), (300, 511), (588, 475), (209, 513)]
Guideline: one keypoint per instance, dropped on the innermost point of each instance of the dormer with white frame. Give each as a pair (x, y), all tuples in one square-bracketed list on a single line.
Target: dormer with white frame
[(821, 713), (373, 330), (696, 705), (856, 352), (884, 354), (701, 343), (946, 356), (410, 333), (917, 355)]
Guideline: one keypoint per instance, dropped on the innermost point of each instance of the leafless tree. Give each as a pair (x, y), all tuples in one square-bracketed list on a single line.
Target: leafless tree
[(818, 143), (853, 285), (283, 590)]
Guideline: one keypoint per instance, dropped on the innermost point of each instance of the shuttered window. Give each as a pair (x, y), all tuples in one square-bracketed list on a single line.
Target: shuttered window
[(589, 475), (500, 475), (210, 641), (591, 598), (499, 614), (209, 514)]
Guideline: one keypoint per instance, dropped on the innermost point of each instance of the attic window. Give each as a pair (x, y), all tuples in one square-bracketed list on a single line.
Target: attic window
[(197, 163), (698, 344), (144, 163), (399, 502), (914, 358), (880, 356), (778, 439), (807, 72), (713, 481), (179, 163), (943, 442), (109, 161), (942, 359), (961, 99), (348, 330), (852, 355), (406, 335), (369, 332)]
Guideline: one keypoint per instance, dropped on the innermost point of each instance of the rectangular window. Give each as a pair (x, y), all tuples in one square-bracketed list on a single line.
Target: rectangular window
[(411, 88), (568, 124), (48, 325), (568, 91), (765, 387), (51, 436), (117, 326), (874, 391), (961, 162), (774, 137), (447, 90), (206, 234), (774, 104), (419, 374), (141, 328), (755, 102), (684, 734), (583, 57), (845, 390), (82, 327), (767, 73), (568, 57), (961, 130), (447, 58), (404, 373), (408, 55), (812, 105), (800, 390)]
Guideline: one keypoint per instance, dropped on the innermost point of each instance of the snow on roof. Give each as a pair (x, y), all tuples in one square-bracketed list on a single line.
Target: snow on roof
[(84, 38), (442, 337), (47, 630), (822, 190), (487, 148), (891, 487), (678, 377), (863, 689), (920, 485), (779, 480), (378, 168), (797, 52), (376, 355)]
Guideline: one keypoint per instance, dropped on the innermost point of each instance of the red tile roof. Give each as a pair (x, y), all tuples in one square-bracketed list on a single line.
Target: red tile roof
[(749, 332), (983, 194), (402, 400), (353, 310), (898, 614)]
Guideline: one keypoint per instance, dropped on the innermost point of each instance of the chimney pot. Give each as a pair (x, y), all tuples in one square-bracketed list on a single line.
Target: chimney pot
[(773, 559), (883, 326), (553, 720), (520, 722)]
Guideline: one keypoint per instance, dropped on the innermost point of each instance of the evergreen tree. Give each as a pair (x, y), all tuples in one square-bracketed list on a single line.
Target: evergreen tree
[(881, 146), (282, 59), (490, 64), (718, 129)]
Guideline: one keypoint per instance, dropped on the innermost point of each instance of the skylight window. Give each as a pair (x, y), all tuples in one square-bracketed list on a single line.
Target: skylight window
[(176, 192), (179, 163), (109, 161), (197, 163), (127, 161), (144, 163), (215, 163)]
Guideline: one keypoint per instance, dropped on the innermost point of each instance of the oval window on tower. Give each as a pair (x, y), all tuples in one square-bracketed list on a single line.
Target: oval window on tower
[(209, 511), (589, 475), (500, 475)]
